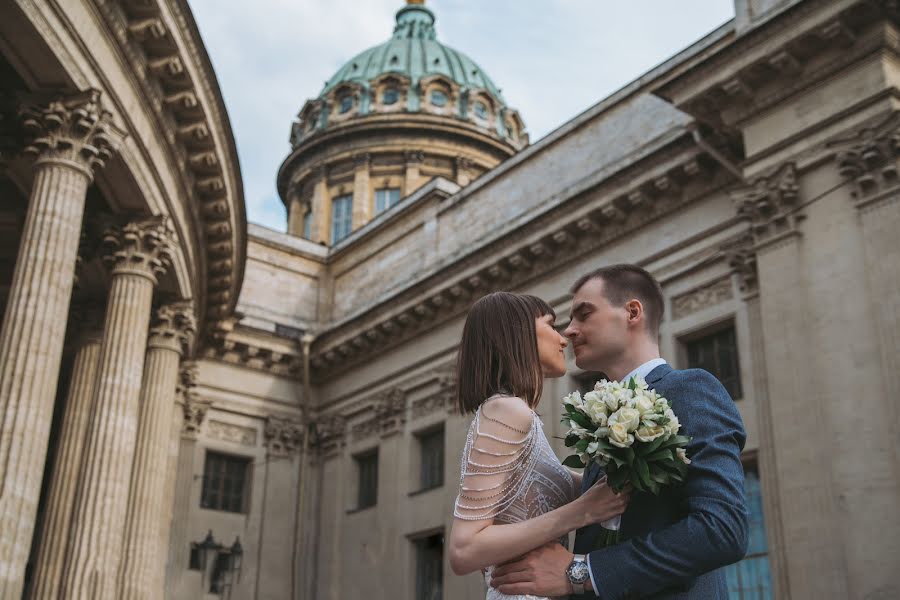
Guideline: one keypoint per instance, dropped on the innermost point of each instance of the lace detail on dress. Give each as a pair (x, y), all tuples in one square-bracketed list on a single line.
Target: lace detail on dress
[(510, 474)]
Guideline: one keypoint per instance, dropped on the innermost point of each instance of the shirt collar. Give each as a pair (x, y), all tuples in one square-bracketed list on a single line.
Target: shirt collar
[(644, 370)]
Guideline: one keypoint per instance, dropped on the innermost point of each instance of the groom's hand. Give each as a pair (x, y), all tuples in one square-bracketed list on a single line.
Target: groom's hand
[(541, 572)]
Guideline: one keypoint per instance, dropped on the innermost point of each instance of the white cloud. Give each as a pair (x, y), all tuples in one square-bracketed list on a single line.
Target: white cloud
[(552, 59)]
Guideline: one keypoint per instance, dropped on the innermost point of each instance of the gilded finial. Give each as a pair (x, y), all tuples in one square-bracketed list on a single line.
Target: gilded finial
[(415, 1)]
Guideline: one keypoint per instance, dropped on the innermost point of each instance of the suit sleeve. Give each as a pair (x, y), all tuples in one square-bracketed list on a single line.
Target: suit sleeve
[(714, 531)]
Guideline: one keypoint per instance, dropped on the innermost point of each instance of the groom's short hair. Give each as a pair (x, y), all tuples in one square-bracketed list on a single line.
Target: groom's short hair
[(623, 282)]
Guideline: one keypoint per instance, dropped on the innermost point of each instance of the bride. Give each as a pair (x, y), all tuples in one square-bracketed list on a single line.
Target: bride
[(514, 494)]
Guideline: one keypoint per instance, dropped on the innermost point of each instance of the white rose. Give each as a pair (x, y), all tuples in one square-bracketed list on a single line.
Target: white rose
[(648, 433), (593, 396), (673, 425), (629, 417), (573, 399), (644, 404), (602, 432), (598, 414), (682, 454), (612, 400), (619, 436), (640, 384)]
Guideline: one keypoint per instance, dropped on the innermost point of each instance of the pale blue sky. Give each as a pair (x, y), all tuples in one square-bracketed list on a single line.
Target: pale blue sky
[(552, 58)]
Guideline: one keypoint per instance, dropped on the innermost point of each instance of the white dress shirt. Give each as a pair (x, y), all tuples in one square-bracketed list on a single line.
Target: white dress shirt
[(642, 372)]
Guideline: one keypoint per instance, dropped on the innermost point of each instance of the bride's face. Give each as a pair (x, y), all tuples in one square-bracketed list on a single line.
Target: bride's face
[(551, 347)]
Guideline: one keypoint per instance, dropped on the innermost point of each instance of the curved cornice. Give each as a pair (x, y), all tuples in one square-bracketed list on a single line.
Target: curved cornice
[(164, 45)]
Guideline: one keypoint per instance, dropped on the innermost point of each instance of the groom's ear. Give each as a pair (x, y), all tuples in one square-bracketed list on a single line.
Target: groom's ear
[(635, 310)]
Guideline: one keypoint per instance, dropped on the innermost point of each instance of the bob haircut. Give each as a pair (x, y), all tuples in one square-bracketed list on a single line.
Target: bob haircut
[(498, 352)]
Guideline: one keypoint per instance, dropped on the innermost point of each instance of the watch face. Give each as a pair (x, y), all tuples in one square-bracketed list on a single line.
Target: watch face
[(578, 572)]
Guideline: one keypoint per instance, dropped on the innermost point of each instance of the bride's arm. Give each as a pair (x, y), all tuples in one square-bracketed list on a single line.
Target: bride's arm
[(577, 478), (478, 544), (496, 466)]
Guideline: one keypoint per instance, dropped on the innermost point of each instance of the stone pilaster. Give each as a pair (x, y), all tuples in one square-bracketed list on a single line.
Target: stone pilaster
[(143, 567), (321, 207), (362, 196), (195, 409), (412, 172), (71, 138), (51, 555), (138, 253)]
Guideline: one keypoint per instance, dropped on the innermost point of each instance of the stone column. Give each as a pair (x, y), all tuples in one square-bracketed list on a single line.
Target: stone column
[(321, 208), (51, 556), (142, 572), (411, 174), (463, 168), (296, 211), (195, 410), (362, 195), (137, 253), (72, 138)]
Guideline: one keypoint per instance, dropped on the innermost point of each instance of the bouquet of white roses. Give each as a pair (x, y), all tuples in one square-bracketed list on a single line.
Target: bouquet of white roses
[(630, 431)]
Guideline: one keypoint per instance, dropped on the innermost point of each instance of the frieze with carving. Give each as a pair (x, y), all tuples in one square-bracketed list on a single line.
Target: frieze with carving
[(229, 432), (742, 260), (701, 298), (442, 399), (329, 434)]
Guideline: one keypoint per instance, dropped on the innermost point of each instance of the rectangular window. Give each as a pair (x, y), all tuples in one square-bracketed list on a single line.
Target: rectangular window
[(750, 578), (430, 567), (226, 483), (367, 469), (431, 453), (386, 198), (307, 224), (341, 217), (717, 353)]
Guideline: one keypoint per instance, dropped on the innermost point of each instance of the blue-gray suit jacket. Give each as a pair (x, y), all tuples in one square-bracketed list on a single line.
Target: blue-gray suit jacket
[(674, 544)]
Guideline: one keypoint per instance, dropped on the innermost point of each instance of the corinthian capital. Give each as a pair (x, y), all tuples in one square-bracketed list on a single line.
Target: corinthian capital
[(771, 204), (142, 248), (871, 158), (173, 327), (283, 436), (73, 130)]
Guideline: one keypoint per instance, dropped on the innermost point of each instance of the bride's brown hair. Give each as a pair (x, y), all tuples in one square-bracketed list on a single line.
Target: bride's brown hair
[(498, 352)]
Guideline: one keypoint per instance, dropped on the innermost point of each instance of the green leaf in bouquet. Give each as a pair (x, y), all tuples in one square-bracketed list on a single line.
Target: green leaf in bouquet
[(636, 482), (643, 472), (632, 384), (573, 461), (663, 454), (676, 440), (619, 462), (646, 449), (582, 445), (629, 455), (581, 419), (659, 476), (653, 487), (617, 478), (571, 440), (607, 446)]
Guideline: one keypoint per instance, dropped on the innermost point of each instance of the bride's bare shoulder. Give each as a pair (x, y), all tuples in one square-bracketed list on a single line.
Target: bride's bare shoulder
[(509, 410)]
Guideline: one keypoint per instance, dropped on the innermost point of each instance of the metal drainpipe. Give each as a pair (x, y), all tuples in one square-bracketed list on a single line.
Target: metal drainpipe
[(306, 342)]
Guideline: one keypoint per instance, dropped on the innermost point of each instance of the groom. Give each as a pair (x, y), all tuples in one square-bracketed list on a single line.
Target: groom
[(674, 544)]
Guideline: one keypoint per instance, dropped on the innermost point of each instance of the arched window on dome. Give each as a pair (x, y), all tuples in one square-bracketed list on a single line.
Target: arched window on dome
[(390, 96), (345, 104), (438, 98), (481, 110)]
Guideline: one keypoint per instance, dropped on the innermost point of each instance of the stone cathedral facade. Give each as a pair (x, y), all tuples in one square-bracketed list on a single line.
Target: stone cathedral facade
[(195, 408)]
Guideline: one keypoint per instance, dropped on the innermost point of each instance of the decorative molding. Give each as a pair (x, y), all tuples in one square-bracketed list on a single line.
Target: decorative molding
[(72, 130), (704, 297), (229, 432), (284, 437), (771, 204), (195, 410), (869, 160), (189, 111)]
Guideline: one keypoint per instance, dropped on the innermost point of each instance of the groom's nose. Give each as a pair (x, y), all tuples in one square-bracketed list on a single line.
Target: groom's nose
[(570, 332)]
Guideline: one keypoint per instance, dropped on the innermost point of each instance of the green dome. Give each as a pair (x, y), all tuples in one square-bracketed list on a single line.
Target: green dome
[(414, 52)]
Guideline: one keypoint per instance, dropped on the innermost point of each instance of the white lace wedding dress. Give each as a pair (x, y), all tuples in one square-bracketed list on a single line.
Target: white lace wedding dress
[(510, 474)]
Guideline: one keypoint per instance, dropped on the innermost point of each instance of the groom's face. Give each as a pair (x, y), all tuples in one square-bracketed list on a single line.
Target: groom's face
[(598, 330)]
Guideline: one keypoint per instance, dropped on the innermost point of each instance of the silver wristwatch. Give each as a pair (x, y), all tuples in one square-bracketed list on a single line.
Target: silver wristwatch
[(578, 573)]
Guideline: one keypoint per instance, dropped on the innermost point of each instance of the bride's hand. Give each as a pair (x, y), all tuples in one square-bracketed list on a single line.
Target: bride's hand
[(601, 503)]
